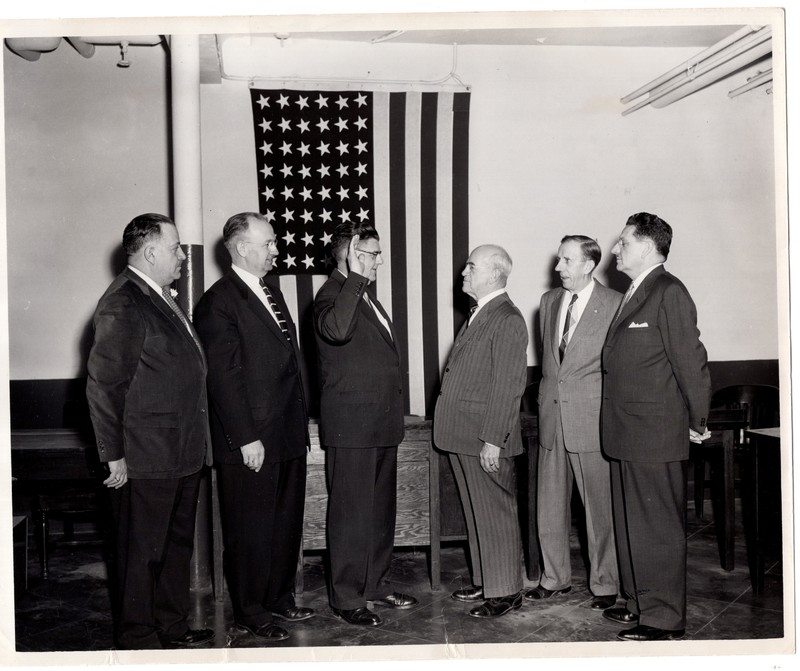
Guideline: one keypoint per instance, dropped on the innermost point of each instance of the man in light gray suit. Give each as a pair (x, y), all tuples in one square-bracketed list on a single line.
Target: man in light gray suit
[(574, 321), (477, 422)]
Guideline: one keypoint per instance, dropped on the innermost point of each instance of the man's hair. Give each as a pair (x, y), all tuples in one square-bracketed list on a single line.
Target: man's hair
[(589, 248), (654, 228), (142, 229), (236, 226), (344, 232), (500, 260)]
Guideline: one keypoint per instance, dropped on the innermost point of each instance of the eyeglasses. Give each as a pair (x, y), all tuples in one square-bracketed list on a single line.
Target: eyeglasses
[(271, 243), (365, 251)]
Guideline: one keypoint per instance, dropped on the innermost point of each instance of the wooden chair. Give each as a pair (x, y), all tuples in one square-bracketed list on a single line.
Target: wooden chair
[(761, 405)]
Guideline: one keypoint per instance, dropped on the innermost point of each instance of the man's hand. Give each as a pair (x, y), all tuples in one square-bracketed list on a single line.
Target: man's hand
[(697, 437), (490, 458), (119, 474), (356, 261), (253, 455)]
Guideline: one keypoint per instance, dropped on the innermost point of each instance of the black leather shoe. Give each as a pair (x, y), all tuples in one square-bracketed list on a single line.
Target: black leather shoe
[(468, 594), (495, 607), (603, 602), (295, 613), (192, 637), (621, 615), (396, 600), (538, 593), (361, 616), (269, 631), (643, 632)]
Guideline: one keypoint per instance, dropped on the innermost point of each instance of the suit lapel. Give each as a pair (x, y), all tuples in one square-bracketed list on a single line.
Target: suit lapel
[(638, 298), (553, 335), (389, 336), (161, 305)]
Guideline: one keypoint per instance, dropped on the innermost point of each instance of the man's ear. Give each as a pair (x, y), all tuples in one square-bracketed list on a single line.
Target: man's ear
[(149, 254)]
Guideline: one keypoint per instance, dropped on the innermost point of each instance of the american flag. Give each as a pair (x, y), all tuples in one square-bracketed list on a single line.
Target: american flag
[(314, 154), (398, 160)]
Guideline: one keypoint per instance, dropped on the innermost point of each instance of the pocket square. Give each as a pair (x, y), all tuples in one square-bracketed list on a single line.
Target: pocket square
[(634, 325)]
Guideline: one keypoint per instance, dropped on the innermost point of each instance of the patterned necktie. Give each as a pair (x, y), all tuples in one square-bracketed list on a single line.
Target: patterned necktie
[(167, 296), (569, 322), (275, 310)]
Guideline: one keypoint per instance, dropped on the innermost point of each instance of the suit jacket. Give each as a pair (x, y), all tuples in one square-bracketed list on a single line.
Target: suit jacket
[(362, 399), (146, 388), (254, 379), (571, 392), (655, 374), (483, 383)]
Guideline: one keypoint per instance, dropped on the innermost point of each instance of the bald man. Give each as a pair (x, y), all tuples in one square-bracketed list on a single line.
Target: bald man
[(477, 422)]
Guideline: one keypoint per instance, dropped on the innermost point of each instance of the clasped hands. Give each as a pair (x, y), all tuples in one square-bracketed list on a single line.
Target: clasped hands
[(696, 437)]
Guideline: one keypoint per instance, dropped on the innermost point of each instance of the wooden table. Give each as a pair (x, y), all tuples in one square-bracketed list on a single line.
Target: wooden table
[(724, 425)]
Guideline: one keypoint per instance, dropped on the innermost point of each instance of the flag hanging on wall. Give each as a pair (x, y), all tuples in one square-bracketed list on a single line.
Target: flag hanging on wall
[(397, 160)]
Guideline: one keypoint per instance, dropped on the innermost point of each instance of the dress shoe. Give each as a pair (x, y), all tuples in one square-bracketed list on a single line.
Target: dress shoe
[(538, 593), (192, 637), (268, 631), (643, 632), (621, 615), (396, 600), (603, 602), (468, 594), (361, 616), (294, 613), (495, 607)]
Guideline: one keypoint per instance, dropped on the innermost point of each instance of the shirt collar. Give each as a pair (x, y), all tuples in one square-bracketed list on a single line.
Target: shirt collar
[(483, 301), (150, 281)]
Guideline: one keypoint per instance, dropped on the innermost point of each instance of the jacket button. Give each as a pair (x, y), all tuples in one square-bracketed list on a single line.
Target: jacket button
[(605, 372), (446, 370)]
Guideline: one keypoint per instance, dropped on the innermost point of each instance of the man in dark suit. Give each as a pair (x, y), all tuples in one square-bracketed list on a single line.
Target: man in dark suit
[(656, 395), (259, 428), (147, 400), (477, 421), (574, 322), (361, 425)]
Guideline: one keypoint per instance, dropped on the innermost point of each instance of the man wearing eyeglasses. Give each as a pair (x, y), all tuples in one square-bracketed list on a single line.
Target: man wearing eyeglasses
[(259, 429), (361, 425)]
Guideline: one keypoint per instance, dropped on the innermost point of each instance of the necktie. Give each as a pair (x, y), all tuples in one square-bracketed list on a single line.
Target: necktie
[(276, 310), (167, 296), (472, 311), (568, 324), (625, 299)]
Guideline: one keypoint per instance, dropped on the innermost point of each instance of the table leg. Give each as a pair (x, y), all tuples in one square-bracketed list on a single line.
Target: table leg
[(435, 518), (729, 498)]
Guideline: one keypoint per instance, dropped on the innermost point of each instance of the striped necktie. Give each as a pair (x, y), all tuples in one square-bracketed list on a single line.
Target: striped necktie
[(167, 296), (275, 309), (569, 322)]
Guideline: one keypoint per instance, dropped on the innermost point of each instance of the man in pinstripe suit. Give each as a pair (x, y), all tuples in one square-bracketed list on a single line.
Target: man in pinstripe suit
[(477, 422)]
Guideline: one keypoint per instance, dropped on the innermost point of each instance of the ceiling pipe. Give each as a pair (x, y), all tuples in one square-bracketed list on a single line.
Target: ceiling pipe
[(722, 64), (31, 48), (753, 82), (81, 46), (691, 63)]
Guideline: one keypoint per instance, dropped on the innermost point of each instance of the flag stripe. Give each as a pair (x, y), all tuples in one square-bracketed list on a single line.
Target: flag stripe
[(416, 356), (460, 200), (429, 225), (397, 217), (444, 229), (380, 139)]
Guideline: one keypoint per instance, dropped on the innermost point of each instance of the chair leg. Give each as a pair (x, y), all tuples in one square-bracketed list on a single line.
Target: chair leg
[(699, 486)]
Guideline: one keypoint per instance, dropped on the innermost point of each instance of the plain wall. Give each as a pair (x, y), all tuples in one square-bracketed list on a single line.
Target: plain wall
[(550, 154)]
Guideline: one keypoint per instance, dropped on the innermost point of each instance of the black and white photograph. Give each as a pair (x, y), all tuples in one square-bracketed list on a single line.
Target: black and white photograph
[(407, 335)]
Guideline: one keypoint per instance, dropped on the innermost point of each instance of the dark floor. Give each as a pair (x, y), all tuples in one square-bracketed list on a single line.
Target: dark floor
[(70, 611)]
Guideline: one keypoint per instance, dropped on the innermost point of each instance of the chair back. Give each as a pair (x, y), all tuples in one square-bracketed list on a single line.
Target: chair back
[(760, 401)]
